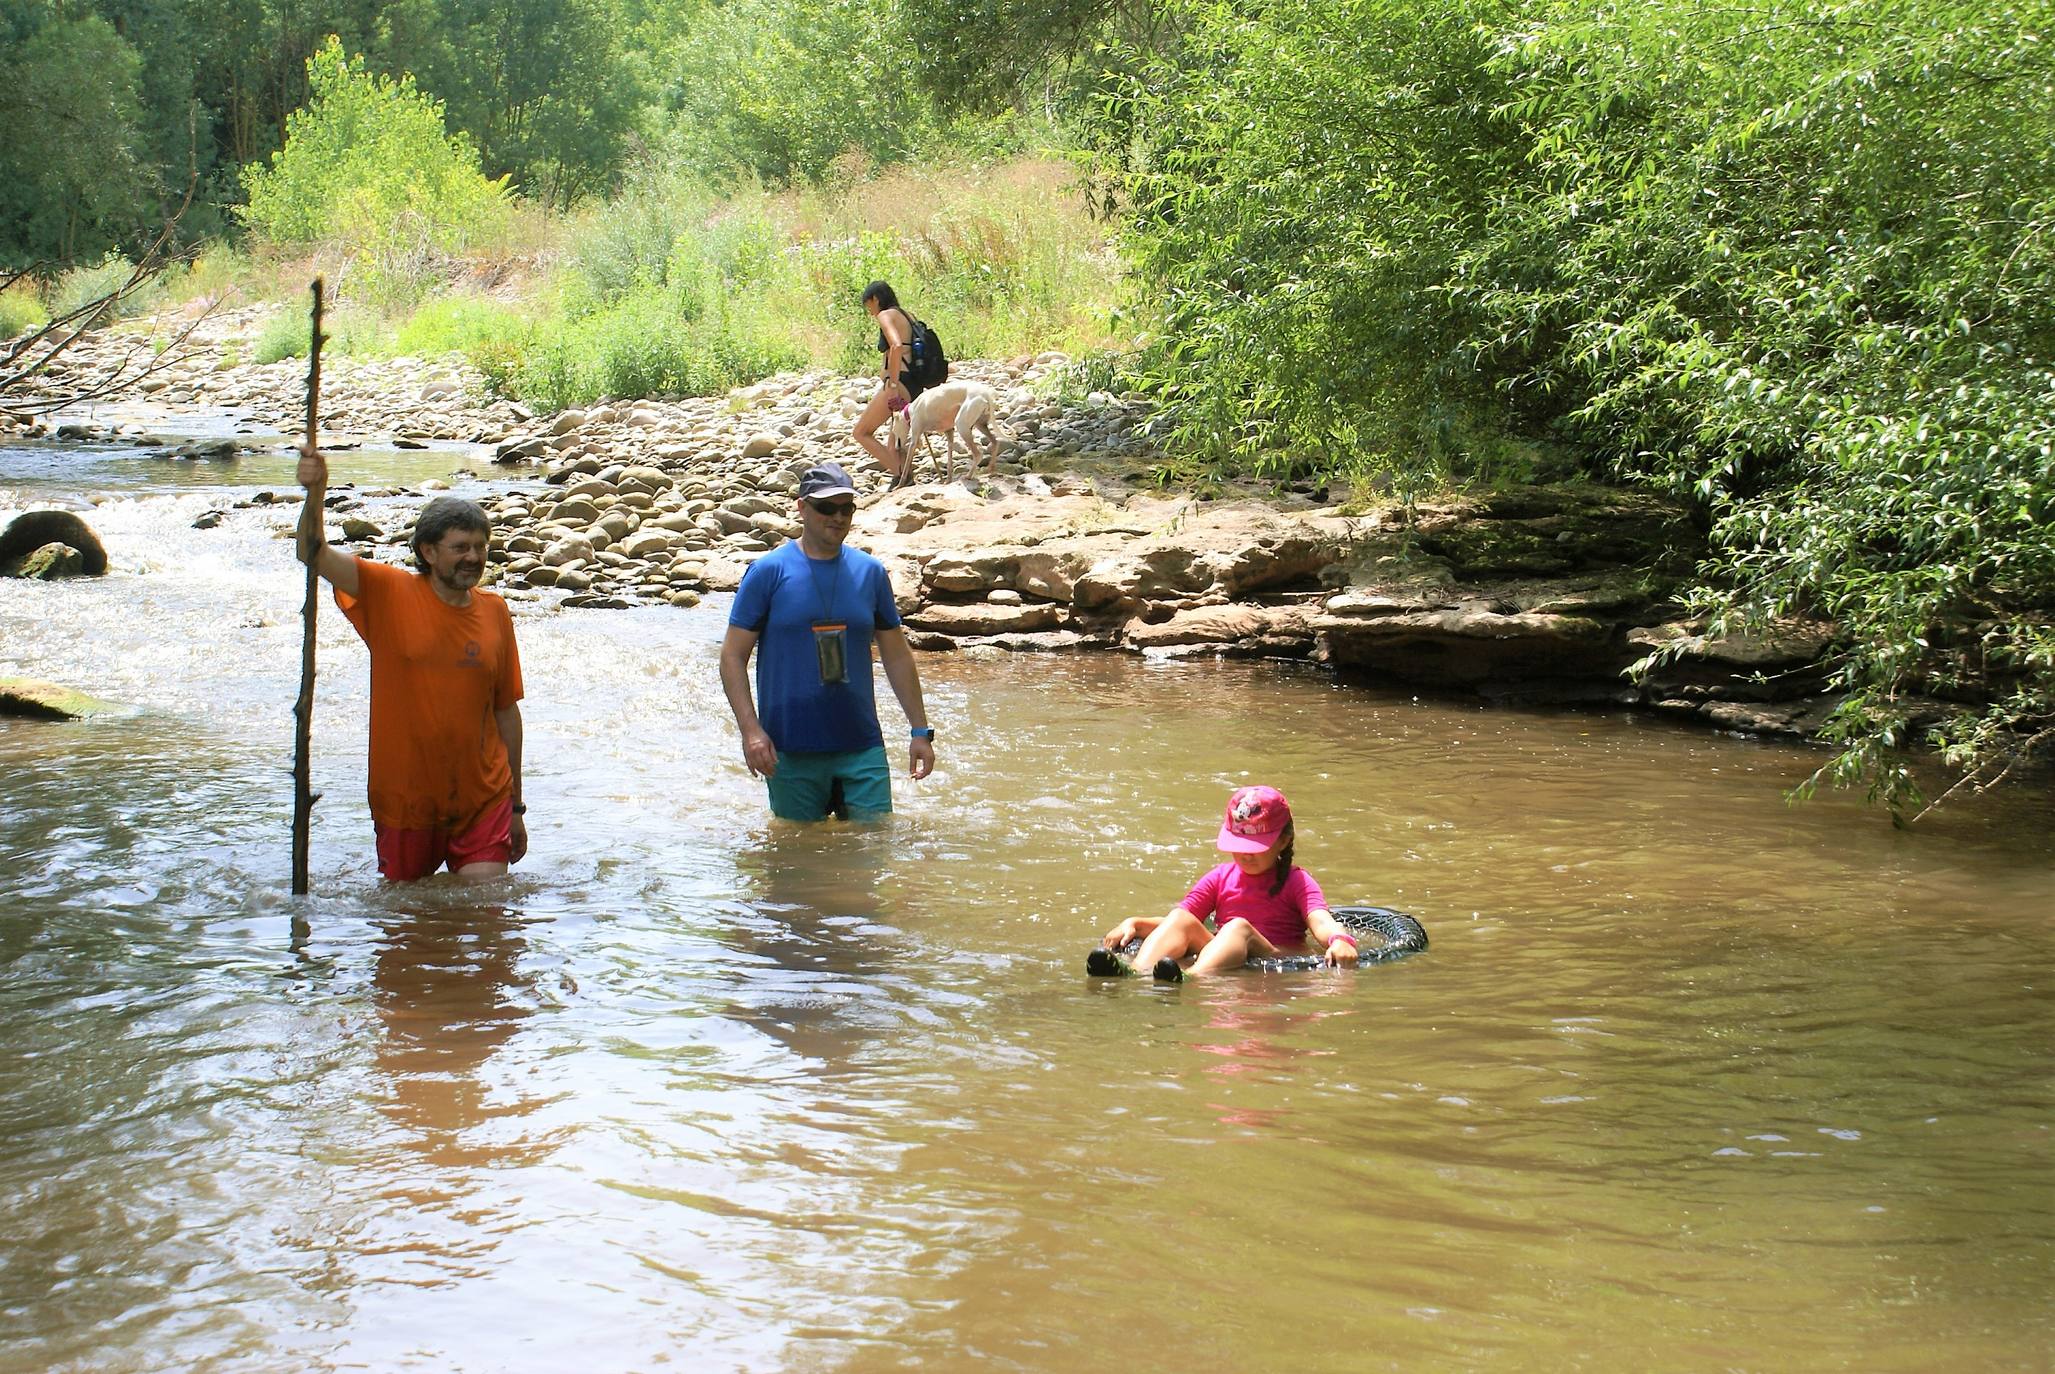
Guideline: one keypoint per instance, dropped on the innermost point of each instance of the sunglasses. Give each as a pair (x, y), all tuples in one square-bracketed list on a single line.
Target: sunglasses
[(834, 510)]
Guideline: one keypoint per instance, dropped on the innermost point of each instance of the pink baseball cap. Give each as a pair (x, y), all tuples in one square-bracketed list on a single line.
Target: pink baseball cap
[(1256, 816)]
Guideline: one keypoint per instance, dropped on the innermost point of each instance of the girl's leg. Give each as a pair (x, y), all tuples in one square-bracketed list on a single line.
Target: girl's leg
[(1235, 945), (1178, 936), (866, 431)]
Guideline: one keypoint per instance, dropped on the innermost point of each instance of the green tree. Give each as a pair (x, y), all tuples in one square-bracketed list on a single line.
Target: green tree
[(369, 165), (71, 181), (538, 84), (779, 89), (1789, 260), (1031, 55)]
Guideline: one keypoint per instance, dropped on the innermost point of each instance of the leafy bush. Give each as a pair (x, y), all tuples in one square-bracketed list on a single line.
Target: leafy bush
[(368, 165), (780, 89), (20, 310), (212, 273), (644, 347), (1799, 267), (1792, 262), (81, 286), (349, 331), (284, 335), (458, 324), (501, 361)]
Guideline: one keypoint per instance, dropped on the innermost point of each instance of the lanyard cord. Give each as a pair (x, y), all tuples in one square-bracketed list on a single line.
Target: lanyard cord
[(827, 603)]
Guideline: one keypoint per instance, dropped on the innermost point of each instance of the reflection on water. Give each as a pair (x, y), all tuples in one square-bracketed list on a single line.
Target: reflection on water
[(447, 986), (1689, 1079)]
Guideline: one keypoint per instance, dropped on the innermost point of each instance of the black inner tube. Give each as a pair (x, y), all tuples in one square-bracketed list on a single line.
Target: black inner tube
[(1390, 935)]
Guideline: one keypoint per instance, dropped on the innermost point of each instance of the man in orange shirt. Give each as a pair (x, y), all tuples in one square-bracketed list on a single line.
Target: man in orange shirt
[(445, 777)]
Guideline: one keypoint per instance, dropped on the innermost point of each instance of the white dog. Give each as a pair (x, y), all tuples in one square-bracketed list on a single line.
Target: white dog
[(956, 410)]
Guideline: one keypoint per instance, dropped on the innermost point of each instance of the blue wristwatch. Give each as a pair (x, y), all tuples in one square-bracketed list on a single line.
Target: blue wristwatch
[(926, 732)]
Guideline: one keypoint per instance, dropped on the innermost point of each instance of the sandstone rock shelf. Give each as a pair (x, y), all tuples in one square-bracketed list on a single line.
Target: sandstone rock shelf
[(1536, 594)]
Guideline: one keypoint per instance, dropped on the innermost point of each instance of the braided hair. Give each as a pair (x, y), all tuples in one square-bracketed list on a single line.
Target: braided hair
[(1283, 871)]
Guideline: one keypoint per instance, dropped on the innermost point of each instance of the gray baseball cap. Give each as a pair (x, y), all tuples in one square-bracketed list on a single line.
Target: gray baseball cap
[(825, 479)]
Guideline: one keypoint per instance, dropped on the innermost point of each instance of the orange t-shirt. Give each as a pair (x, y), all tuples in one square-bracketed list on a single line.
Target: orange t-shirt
[(438, 672)]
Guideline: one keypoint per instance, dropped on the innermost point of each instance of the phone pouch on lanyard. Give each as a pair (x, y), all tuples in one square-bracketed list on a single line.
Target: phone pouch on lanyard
[(831, 650)]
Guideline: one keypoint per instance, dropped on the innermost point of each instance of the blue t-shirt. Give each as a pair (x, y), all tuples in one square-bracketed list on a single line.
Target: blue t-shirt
[(781, 596)]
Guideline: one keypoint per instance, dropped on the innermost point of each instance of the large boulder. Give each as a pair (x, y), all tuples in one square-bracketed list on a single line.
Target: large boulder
[(1552, 531), (1780, 662), (26, 697), (1478, 648), (1228, 626), (986, 618), (30, 532)]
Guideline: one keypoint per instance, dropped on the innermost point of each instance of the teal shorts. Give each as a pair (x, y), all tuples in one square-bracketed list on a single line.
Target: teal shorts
[(807, 787)]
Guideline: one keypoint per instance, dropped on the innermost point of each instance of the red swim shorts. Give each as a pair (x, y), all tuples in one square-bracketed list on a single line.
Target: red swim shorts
[(405, 855)]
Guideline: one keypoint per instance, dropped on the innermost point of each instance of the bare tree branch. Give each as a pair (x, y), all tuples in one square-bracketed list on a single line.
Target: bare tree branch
[(43, 346)]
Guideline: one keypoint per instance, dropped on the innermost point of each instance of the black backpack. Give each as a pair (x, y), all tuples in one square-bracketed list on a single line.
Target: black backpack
[(927, 363)]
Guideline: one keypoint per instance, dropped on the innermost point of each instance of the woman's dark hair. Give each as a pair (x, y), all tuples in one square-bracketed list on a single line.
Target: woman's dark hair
[(440, 516), (1284, 862), (882, 293)]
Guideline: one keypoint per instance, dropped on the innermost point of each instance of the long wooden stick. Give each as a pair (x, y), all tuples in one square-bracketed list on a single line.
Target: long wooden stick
[(311, 516)]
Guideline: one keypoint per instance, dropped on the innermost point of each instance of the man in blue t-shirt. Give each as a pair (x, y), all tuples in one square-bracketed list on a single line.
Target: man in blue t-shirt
[(812, 732)]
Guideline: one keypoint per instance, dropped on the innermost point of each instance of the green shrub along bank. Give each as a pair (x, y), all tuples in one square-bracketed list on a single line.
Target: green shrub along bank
[(671, 290), (368, 166), (1791, 260)]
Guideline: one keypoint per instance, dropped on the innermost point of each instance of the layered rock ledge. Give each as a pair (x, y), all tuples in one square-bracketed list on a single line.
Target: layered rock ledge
[(1534, 595)]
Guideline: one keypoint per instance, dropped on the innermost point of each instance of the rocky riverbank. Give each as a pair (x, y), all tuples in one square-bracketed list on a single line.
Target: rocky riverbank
[(1535, 595)]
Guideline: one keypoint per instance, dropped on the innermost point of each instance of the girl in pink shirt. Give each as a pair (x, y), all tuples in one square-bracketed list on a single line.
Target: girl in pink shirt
[(1260, 903)]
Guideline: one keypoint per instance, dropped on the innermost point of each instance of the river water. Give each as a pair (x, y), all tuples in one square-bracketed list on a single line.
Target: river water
[(1690, 1079)]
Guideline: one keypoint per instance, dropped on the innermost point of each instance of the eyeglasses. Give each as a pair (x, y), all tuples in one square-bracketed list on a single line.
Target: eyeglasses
[(834, 510)]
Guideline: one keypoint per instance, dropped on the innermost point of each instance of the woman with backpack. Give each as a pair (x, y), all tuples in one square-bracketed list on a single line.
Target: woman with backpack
[(912, 355)]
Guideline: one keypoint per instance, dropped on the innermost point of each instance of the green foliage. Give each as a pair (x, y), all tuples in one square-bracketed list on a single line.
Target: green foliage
[(1790, 260), (643, 347), (285, 335), (70, 180), (368, 165), (1002, 259), (1799, 265), (20, 310), (459, 324), (628, 245), (1295, 212), (782, 89), (994, 54), (83, 285), (210, 274), (540, 86)]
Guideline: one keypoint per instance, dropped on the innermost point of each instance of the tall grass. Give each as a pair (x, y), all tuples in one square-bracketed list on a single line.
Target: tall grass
[(670, 289), (82, 285), (21, 308), (348, 330)]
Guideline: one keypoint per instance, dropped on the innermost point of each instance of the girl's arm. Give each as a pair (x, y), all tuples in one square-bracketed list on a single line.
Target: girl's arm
[(1137, 928), (1333, 936)]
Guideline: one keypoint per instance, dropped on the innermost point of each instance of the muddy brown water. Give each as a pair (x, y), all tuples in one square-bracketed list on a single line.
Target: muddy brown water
[(1690, 1078)]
